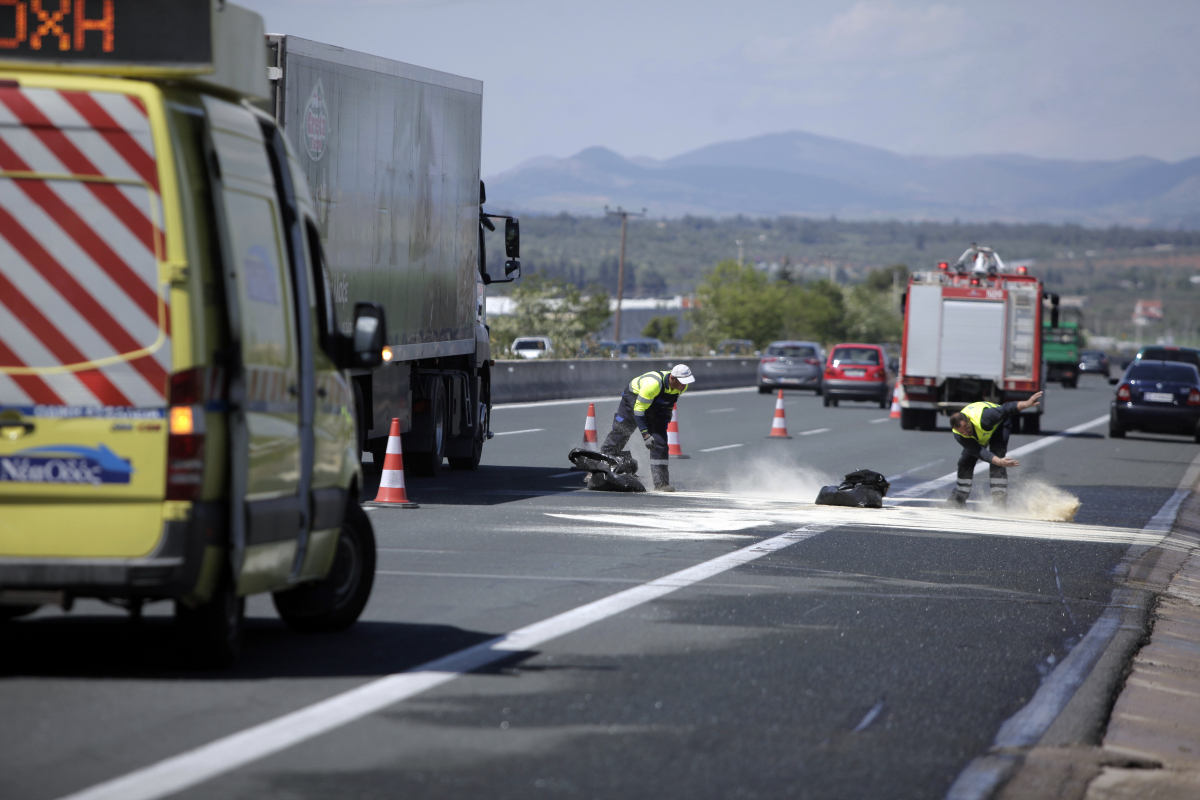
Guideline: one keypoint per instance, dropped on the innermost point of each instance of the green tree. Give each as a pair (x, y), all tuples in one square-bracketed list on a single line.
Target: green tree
[(551, 307), (663, 328)]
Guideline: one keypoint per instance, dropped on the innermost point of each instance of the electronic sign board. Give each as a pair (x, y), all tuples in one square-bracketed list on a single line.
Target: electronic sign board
[(116, 33)]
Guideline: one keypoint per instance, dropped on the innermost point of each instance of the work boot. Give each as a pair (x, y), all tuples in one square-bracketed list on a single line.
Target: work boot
[(956, 500), (1000, 500), (664, 487)]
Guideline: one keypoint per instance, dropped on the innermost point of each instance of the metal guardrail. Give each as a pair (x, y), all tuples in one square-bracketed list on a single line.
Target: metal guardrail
[(559, 379)]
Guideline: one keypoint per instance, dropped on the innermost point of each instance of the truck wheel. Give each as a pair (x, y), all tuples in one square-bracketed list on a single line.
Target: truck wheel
[(212, 631), (1032, 424), (1070, 383), (468, 462), (928, 420), (335, 602), (429, 464), (908, 419)]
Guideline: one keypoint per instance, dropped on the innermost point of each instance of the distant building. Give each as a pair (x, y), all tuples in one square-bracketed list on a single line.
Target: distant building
[(1147, 311)]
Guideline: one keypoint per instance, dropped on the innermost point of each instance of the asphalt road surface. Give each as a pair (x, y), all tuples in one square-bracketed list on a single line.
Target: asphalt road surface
[(793, 651)]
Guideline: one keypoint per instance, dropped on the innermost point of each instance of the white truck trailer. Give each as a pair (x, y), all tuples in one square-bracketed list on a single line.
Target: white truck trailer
[(971, 332), (391, 152)]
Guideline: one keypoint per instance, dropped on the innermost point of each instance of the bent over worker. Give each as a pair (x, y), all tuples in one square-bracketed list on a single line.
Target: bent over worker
[(983, 430), (646, 404)]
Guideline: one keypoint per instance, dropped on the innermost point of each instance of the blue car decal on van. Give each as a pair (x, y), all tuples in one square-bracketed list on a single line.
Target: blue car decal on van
[(65, 463)]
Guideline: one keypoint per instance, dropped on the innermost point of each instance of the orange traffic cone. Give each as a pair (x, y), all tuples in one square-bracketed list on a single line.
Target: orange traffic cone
[(391, 480), (895, 412), (589, 430), (779, 424), (673, 448)]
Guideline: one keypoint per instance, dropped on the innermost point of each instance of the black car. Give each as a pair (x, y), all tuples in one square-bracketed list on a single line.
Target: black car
[(1094, 362), (1185, 355), (1157, 396)]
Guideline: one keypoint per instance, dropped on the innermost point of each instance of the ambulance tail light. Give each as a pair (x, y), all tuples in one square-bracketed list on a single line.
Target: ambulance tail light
[(185, 439), (1123, 393)]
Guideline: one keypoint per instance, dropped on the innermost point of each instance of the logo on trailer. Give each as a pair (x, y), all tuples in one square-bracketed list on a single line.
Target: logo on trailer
[(316, 123), (65, 463)]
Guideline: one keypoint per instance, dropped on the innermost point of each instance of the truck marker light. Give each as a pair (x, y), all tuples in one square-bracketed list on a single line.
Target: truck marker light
[(387, 354)]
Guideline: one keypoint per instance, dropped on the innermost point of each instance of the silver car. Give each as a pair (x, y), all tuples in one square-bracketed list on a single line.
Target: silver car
[(791, 365)]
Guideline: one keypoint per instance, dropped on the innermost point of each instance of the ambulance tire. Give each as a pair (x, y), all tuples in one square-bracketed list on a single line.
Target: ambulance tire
[(13, 612), (335, 602), (212, 631)]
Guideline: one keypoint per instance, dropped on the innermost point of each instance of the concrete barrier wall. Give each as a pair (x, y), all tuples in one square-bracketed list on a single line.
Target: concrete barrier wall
[(533, 379)]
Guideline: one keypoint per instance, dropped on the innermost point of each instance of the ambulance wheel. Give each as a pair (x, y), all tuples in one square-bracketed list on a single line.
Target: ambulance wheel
[(13, 612), (212, 631), (335, 602), (468, 462)]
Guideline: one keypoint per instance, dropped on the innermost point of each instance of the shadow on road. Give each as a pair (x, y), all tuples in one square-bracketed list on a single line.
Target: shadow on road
[(114, 647), (485, 486)]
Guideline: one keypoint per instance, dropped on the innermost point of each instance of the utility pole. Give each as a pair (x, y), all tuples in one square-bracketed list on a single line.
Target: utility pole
[(738, 242), (624, 215)]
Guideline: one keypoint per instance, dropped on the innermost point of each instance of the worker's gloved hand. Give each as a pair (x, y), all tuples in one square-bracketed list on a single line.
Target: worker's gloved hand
[(647, 438)]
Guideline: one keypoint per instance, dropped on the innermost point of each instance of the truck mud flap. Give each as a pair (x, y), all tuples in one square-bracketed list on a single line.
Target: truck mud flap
[(608, 473)]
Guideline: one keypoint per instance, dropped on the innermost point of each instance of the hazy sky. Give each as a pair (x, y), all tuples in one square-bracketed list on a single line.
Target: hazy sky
[(1092, 80)]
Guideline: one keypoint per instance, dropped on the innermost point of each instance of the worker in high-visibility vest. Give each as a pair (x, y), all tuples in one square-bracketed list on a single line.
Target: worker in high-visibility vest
[(646, 405), (983, 430)]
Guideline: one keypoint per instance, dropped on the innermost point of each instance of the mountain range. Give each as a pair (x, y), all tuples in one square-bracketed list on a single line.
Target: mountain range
[(804, 174)]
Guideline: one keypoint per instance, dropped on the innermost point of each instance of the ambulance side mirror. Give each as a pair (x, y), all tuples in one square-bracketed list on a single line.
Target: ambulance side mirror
[(369, 337)]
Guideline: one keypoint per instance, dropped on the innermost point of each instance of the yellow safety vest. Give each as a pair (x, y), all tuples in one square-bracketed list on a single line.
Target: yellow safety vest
[(974, 412), (651, 389)]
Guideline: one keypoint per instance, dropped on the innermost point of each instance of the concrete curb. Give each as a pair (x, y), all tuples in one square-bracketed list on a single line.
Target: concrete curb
[(561, 379), (1132, 730)]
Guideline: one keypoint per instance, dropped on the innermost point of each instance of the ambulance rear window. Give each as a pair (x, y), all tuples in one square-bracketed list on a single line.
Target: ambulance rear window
[(83, 318)]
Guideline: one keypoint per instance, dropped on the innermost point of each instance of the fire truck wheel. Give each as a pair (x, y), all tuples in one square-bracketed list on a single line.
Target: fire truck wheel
[(335, 602)]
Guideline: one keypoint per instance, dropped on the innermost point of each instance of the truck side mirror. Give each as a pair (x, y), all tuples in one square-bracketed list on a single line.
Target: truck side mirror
[(370, 335), (512, 239), (511, 266)]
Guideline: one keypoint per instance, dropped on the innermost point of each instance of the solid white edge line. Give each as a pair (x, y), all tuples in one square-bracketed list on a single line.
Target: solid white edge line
[(690, 393), (510, 433), (228, 753), (722, 447), (881, 419), (815, 430), (1023, 729), (1046, 441)]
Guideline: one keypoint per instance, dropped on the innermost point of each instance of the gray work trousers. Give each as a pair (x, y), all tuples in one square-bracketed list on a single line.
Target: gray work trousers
[(997, 476), (624, 424)]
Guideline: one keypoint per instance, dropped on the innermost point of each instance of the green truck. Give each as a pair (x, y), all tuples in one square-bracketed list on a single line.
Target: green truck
[(1060, 345)]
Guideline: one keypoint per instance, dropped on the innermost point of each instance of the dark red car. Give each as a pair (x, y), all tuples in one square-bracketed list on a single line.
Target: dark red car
[(857, 372)]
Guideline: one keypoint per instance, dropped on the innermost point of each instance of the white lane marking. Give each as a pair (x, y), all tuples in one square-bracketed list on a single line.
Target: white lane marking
[(245, 747), (690, 393), (510, 433), (816, 430), (720, 410), (695, 520), (1046, 441), (1023, 729), (881, 419), (576, 473), (908, 472), (722, 447)]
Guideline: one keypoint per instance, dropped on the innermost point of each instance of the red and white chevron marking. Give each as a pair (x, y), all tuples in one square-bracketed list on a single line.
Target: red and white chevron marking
[(79, 258)]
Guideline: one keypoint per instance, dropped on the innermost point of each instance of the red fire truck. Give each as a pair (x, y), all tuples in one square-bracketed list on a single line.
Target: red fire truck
[(972, 331)]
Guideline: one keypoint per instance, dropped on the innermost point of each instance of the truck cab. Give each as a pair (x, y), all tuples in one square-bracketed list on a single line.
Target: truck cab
[(176, 415)]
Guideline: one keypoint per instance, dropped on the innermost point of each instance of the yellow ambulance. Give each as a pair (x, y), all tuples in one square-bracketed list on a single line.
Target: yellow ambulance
[(176, 421)]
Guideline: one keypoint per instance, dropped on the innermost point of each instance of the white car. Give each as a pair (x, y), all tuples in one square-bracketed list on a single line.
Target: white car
[(532, 346)]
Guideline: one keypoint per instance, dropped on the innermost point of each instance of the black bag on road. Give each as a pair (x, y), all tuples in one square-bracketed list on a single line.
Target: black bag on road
[(862, 488), (608, 473)]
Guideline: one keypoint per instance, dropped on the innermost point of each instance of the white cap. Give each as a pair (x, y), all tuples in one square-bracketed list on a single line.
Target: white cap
[(681, 373)]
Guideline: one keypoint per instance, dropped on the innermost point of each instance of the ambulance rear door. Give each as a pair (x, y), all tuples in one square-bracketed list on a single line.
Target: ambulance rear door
[(85, 318)]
